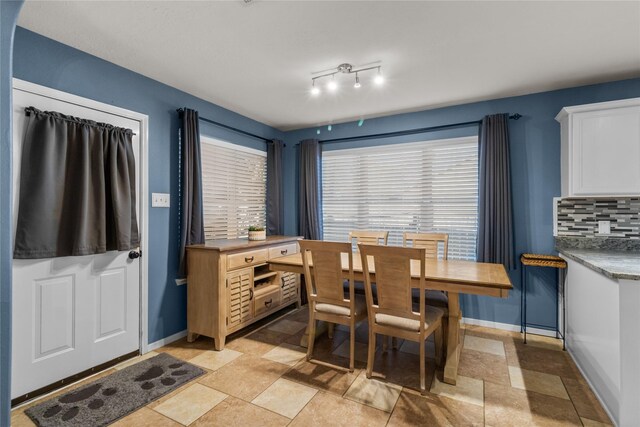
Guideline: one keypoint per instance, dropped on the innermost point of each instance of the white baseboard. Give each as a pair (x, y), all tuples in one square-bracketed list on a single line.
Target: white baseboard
[(508, 327), (593, 389), (167, 340)]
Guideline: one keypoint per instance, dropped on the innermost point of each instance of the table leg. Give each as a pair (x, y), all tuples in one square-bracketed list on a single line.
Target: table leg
[(453, 340)]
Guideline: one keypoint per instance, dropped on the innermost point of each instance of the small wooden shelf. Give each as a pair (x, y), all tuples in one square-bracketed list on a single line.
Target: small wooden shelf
[(264, 276)]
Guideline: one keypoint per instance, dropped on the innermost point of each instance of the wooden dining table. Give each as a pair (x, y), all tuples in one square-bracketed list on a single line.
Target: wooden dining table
[(454, 276)]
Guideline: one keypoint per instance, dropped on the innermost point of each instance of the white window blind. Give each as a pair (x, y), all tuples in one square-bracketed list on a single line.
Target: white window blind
[(417, 187), (233, 188)]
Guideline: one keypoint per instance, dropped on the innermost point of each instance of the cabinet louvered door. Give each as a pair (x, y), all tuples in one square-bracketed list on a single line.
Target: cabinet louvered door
[(240, 284), (289, 284)]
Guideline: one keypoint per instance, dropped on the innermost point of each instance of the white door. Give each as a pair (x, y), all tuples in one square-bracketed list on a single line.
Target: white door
[(71, 313)]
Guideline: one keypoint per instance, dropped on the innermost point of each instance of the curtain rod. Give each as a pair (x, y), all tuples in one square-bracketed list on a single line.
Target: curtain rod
[(222, 125), (515, 116)]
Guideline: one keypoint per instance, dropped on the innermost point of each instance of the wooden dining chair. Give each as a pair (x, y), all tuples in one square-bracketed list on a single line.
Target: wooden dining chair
[(395, 314), (369, 237), (428, 241), (322, 264), (431, 242)]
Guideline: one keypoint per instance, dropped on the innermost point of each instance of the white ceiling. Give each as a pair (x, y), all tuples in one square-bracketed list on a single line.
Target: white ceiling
[(257, 59)]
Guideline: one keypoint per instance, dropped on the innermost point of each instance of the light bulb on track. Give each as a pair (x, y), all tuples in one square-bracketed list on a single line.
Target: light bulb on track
[(357, 83), (315, 90), (332, 85), (378, 78)]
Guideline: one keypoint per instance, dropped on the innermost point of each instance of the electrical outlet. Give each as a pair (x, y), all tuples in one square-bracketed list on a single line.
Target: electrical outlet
[(160, 200), (604, 227)]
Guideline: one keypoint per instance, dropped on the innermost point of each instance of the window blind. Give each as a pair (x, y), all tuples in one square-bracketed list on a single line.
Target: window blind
[(416, 187), (234, 180)]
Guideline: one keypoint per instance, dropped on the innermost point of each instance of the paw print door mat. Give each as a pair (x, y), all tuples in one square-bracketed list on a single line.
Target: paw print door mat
[(107, 399)]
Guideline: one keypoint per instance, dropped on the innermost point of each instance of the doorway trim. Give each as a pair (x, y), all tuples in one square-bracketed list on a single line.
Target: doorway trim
[(143, 198)]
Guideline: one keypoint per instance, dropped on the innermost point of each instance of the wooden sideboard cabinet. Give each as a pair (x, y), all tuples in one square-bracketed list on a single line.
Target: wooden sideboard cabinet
[(230, 286)]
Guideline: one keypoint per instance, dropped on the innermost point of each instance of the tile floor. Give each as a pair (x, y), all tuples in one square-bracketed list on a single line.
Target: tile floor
[(263, 379)]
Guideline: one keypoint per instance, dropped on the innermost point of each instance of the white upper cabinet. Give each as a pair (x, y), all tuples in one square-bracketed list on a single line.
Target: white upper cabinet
[(600, 153)]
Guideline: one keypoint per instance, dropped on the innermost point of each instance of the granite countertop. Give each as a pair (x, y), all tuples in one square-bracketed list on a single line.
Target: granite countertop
[(613, 264)]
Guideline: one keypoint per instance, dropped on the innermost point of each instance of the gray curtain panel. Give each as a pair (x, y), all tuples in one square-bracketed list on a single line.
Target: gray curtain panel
[(495, 217), (275, 205), (77, 188), (310, 190), (191, 215)]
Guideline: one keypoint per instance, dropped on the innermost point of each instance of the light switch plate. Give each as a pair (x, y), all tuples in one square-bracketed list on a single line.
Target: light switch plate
[(604, 227), (160, 200)]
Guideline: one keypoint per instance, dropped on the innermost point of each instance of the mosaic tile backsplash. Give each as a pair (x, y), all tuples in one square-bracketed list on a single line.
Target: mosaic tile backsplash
[(579, 217)]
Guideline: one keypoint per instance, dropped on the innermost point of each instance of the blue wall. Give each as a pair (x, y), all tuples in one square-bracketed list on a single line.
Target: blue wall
[(8, 16), (46, 62), (535, 162)]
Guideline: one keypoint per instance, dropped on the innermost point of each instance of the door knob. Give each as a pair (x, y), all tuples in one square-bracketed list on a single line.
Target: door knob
[(134, 254)]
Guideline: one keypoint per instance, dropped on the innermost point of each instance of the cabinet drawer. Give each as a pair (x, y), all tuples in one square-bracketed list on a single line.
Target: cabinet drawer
[(246, 259), (283, 250), (266, 301)]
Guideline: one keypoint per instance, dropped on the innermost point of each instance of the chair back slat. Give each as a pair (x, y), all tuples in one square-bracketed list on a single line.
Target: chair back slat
[(369, 237), (322, 263), (428, 241), (392, 269)]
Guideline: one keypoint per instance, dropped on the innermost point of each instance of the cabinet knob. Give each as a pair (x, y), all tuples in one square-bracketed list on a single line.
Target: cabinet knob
[(284, 251), (248, 259), (250, 294), (268, 303)]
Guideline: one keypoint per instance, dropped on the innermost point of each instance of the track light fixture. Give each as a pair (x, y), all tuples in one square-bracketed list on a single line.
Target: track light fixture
[(332, 85)]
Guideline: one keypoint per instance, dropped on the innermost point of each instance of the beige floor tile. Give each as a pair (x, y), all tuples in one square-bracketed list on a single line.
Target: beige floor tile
[(585, 402), (287, 326), (318, 375), (20, 419), (360, 353), (507, 406), (538, 382), (469, 390), (135, 360), (484, 345), (592, 423), (246, 377), (184, 350), (547, 343), (542, 360), (287, 354), (413, 409), (483, 366), (375, 393), (145, 417), (402, 368), (285, 397), (249, 345), (213, 360), (327, 409), (190, 404), (233, 412)]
